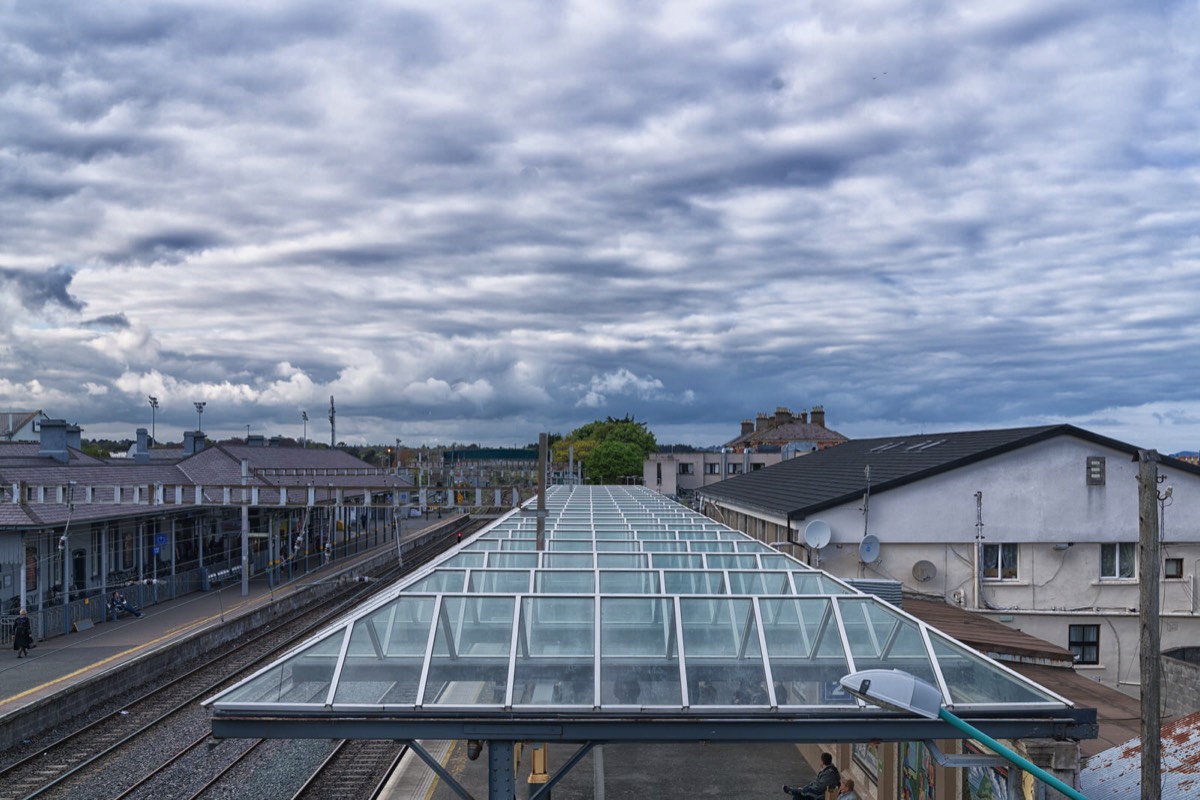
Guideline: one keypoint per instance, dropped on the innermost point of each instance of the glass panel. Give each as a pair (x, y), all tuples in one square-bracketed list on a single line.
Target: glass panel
[(510, 560), (807, 658), (464, 560), (677, 560), (621, 560), (443, 580), (499, 581), (758, 583), (469, 664), (1127, 559), (385, 655), (971, 679), (638, 652), (567, 546), (577, 560), (693, 582), (566, 582), (717, 561), (724, 661), (555, 662), (304, 677), (629, 582), (880, 638)]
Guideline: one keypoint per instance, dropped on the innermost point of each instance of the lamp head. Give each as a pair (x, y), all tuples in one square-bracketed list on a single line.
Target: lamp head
[(894, 690)]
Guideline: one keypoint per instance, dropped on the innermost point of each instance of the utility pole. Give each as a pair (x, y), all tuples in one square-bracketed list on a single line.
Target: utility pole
[(1151, 671)]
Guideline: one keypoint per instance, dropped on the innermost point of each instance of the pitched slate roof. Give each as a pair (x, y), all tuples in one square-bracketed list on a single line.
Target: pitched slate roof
[(13, 421), (801, 486), (796, 431)]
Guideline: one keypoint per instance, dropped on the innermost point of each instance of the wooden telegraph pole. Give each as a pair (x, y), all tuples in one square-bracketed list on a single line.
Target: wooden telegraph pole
[(1151, 670)]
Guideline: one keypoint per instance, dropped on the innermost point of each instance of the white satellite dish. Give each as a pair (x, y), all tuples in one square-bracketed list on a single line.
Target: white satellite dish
[(924, 571), (868, 551), (817, 534)]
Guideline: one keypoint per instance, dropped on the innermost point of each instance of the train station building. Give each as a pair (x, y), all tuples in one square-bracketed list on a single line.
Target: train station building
[(618, 616)]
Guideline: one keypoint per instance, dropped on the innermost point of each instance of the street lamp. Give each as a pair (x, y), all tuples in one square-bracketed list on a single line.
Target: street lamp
[(304, 439), (896, 690), (199, 410), (153, 409)]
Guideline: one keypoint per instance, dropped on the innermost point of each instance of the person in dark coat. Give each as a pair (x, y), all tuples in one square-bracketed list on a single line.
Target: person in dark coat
[(828, 777), (119, 604), (22, 634)]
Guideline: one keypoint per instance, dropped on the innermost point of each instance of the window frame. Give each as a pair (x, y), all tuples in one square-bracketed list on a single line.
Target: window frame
[(1079, 643), (995, 564), (1172, 575), (712, 468), (1119, 561)]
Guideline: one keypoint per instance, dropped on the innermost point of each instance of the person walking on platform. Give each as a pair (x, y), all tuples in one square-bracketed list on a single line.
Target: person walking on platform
[(22, 634)]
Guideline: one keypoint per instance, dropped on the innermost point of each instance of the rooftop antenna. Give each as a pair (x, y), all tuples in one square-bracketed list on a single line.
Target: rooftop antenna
[(332, 423)]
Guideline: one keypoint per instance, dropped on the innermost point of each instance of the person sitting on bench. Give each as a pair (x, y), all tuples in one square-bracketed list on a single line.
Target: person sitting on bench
[(119, 604)]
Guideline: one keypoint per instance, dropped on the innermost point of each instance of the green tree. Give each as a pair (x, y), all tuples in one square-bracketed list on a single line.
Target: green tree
[(607, 464), (611, 461)]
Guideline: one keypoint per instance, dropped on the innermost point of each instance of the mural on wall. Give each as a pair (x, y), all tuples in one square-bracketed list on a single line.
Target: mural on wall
[(869, 759), (917, 776), (987, 783)]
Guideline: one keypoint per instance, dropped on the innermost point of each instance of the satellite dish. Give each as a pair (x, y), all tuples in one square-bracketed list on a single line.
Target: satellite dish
[(817, 534), (924, 571), (868, 551)]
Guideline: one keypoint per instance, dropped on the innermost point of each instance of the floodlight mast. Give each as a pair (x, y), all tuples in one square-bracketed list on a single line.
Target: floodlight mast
[(895, 690)]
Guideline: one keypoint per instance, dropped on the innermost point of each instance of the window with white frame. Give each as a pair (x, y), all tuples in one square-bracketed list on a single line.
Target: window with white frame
[(686, 467), (1000, 562), (1118, 561), (712, 469)]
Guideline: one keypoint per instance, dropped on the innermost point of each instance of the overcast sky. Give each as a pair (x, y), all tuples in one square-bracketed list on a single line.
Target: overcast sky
[(472, 221)]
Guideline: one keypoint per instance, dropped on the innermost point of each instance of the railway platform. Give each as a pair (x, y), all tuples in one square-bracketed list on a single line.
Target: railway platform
[(82, 661)]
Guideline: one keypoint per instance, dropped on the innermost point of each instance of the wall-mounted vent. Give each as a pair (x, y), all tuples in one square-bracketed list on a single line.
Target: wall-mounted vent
[(1095, 470), (884, 590)]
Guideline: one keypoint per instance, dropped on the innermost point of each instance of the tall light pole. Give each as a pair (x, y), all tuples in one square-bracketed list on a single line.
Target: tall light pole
[(304, 439), (153, 409), (199, 410)]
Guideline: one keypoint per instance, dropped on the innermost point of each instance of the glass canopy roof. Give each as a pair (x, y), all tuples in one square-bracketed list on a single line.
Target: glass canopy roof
[(635, 603)]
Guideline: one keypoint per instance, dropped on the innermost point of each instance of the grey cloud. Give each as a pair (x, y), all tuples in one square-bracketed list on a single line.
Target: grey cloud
[(41, 289)]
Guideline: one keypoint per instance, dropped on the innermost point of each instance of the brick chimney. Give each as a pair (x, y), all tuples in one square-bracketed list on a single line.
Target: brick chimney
[(761, 422), (747, 426), (804, 417), (818, 416), (783, 416)]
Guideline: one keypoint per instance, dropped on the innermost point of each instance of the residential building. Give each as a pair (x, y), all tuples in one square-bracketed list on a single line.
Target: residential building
[(18, 426), (1036, 527), (762, 442)]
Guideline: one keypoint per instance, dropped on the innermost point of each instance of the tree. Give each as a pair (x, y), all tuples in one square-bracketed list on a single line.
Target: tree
[(595, 446), (610, 461)]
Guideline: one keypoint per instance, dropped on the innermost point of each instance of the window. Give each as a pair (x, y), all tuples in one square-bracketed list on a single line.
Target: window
[(1118, 561), (1000, 562), (1095, 471), (1084, 642), (733, 469), (712, 469), (686, 468), (1173, 568), (755, 466)]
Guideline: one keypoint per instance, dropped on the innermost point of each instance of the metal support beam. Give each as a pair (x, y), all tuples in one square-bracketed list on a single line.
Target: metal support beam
[(439, 770), (502, 778)]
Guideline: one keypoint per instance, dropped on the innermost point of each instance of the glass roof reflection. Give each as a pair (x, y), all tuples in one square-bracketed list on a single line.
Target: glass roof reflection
[(635, 602)]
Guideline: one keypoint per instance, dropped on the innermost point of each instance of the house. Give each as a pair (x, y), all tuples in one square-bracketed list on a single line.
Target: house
[(763, 441), (1035, 527), (18, 426)]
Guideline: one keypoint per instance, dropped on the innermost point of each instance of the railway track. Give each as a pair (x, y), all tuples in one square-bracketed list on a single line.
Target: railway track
[(120, 752)]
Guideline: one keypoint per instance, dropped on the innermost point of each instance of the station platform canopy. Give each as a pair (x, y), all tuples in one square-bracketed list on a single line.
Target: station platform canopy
[(639, 619)]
